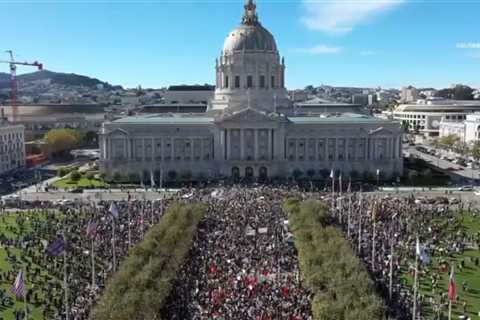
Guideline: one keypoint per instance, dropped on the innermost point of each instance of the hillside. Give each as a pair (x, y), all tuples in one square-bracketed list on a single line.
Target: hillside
[(65, 79)]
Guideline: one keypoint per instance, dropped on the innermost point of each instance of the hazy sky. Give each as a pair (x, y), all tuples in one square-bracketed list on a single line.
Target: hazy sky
[(159, 43)]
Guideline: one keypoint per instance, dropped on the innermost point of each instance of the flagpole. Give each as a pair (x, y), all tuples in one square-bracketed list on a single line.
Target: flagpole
[(373, 242), (129, 228), (333, 192), (25, 295), (415, 280), (390, 285), (113, 245), (93, 263), (360, 225), (65, 279)]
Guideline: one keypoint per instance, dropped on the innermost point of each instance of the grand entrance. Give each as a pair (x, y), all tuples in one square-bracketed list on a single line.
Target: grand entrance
[(248, 172), (235, 173), (263, 173)]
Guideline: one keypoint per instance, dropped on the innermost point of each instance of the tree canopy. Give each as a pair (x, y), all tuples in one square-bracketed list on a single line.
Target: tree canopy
[(62, 140)]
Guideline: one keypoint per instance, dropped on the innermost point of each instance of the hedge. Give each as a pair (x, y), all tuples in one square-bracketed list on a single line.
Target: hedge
[(144, 280), (337, 278)]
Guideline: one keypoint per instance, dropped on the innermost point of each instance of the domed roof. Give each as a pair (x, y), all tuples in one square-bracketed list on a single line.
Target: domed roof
[(250, 35)]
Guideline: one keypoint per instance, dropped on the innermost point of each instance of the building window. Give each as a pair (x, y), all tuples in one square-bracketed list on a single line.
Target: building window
[(237, 82), (226, 82), (249, 82), (262, 81), (272, 82)]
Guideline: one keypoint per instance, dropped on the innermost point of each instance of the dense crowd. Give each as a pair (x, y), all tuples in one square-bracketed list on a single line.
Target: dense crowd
[(243, 263), (384, 232)]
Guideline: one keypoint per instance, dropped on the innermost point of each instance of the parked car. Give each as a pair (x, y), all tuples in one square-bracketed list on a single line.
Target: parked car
[(465, 188)]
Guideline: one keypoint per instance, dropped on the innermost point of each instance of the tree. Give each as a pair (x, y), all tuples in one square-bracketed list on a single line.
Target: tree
[(450, 140), (461, 92), (310, 173), (475, 150), (75, 176), (90, 138), (297, 173), (59, 141)]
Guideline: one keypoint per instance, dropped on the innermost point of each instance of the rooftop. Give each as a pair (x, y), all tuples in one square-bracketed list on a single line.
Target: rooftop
[(170, 119), (192, 88), (180, 119), (341, 118)]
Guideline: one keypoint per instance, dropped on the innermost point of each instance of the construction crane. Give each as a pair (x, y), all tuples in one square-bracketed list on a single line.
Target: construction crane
[(13, 78)]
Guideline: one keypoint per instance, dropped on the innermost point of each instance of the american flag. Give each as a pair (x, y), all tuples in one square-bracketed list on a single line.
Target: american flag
[(18, 287), (56, 247), (91, 229)]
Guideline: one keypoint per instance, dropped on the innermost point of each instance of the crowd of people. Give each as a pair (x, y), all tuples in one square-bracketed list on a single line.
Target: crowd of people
[(384, 232), (243, 263), (27, 239)]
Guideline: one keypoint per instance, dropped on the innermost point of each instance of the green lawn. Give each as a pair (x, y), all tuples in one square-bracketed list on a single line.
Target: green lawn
[(84, 182), (36, 311), (470, 273)]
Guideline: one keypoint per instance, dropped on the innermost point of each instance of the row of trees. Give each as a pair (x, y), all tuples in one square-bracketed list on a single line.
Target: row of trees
[(141, 286), (340, 283), (453, 142), (61, 141)]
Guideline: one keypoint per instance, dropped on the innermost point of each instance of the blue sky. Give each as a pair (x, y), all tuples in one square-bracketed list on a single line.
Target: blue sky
[(388, 43)]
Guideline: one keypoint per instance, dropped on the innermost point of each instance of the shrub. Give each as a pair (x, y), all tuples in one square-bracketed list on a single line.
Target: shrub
[(144, 281), (339, 281), (90, 175), (75, 176)]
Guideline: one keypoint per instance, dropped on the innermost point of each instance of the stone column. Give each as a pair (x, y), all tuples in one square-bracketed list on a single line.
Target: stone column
[(326, 142), (255, 136), (229, 144), (336, 149), (153, 150), (191, 149), (269, 144), (242, 147)]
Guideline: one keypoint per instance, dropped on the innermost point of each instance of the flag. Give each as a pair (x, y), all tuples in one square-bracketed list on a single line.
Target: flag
[(332, 174), (452, 289), (152, 179), (56, 247), (113, 210), (422, 253), (18, 287), (91, 229)]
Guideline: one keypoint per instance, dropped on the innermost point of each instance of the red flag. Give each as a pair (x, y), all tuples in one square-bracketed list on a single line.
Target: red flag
[(213, 269), (452, 289)]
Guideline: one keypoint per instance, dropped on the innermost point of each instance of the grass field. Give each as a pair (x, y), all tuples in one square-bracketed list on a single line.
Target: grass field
[(84, 182), (7, 313), (469, 274)]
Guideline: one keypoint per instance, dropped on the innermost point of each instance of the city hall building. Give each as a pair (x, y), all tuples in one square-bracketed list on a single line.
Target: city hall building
[(250, 127)]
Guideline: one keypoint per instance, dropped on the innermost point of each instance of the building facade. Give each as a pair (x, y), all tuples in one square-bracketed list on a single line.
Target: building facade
[(425, 118), (251, 129), (12, 147), (448, 128)]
